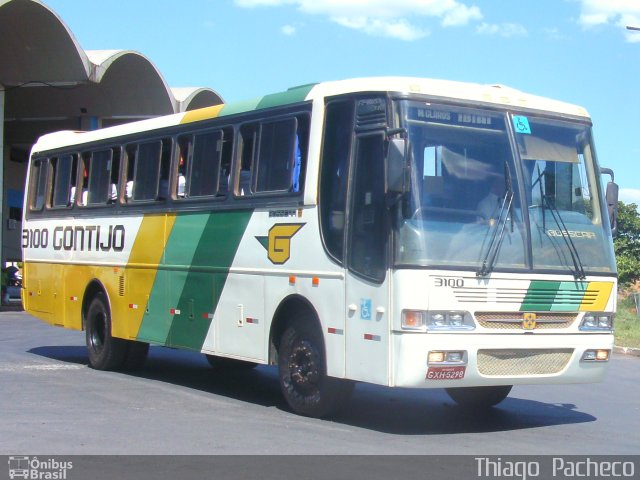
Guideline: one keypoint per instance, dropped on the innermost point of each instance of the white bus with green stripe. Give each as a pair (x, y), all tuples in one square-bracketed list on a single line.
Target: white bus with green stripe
[(399, 231)]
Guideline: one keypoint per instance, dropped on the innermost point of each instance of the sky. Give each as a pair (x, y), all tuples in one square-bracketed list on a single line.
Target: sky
[(578, 51)]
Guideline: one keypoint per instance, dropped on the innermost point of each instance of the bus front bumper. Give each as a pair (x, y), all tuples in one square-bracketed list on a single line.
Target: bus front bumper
[(496, 359)]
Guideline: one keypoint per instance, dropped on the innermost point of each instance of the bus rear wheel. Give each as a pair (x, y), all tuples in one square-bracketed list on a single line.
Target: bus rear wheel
[(479, 397), (302, 373), (105, 351)]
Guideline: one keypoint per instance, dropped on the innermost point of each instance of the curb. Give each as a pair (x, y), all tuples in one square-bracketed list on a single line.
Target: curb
[(634, 352)]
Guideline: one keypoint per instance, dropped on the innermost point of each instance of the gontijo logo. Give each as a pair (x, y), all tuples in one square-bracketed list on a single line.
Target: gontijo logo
[(278, 242)]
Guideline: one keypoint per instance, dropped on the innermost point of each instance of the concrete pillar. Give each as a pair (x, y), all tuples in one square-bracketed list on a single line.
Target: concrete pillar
[(3, 158)]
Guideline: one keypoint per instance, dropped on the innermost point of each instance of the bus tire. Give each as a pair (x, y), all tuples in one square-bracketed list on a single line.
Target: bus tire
[(229, 364), (302, 373), (105, 351), (136, 356), (479, 397)]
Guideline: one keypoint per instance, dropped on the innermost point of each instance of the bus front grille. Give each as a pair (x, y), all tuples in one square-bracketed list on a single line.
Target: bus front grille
[(510, 362), (513, 321)]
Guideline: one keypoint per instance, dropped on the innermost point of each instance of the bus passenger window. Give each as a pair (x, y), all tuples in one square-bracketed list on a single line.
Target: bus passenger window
[(143, 171), (99, 182), (184, 148), (164, 190), (64, 169), (115, 176), (226, 149), (276, 157), (247, 138), (204, 166), (38, 183)]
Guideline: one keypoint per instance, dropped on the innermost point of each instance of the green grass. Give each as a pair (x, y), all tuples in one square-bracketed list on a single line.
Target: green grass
[(627, 324)]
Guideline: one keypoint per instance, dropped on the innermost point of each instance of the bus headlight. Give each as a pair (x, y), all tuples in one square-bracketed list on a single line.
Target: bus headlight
[(597, 322), (436, 320)]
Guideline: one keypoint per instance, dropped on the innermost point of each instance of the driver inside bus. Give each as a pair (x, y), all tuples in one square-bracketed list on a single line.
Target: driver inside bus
[(489, 207)]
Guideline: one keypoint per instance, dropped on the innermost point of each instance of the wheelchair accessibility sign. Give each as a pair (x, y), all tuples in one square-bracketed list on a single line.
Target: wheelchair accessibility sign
[(365, 308)]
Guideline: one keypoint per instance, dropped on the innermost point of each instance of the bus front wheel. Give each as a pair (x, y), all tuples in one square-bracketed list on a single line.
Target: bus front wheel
[(479, 397), (302, 373), (105, 351)]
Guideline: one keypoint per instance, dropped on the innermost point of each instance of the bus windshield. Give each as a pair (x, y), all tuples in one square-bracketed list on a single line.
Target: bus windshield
[(474, 203)]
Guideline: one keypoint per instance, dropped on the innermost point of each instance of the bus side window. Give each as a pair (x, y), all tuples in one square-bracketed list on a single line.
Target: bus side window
[(184, 151), (164, 188), (130, 153), (98, 186), (300, 154), (225, 147), (204, 167), (143, 171), (84, 182), (247, 151), (276, 158), (39, 174), (336, 150), (64, 170), (115, 176)]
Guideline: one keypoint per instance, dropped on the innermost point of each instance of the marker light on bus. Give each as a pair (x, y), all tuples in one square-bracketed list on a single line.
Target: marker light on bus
[(436, 320), (456, 356), (596, 355), (597, 322)]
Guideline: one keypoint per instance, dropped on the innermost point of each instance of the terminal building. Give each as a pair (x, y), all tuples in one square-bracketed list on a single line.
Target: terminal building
[(49, 83)]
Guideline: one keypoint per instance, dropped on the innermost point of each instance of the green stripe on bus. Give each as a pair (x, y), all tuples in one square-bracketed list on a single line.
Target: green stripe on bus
[(569, 296), (554, 296), (540, 296), (171, 276), (293, 95), (204, 284)]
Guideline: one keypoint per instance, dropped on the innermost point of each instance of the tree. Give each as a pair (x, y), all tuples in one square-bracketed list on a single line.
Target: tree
[(627, 243)]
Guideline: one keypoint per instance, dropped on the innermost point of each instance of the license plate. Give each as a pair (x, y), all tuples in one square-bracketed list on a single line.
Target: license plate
[(446, 373)]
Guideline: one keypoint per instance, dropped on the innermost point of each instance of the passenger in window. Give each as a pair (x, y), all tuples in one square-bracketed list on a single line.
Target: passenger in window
[(182, 182), (85, 182), (297, 166), (114, 193)]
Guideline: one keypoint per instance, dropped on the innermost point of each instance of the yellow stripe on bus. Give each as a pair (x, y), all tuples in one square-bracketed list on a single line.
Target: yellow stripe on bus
[(602, 290), (202, 114), (141, 271)]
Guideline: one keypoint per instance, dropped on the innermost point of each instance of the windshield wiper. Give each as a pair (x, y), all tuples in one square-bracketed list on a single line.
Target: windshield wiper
[(578, 274), (498, 234)]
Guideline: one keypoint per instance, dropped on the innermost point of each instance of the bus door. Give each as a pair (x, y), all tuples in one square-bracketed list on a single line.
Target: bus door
[(367, 282)]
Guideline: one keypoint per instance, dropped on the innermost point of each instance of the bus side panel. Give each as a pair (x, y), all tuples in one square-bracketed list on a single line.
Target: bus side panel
[(198, 254), (147, 319)]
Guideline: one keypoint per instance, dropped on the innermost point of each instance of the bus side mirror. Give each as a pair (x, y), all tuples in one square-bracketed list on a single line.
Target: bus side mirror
[(396, 163), (611, 196)]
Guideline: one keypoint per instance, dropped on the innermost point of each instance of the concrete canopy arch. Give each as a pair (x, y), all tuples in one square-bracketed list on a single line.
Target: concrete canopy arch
[(47, 51), (193, 98), (49, 83)]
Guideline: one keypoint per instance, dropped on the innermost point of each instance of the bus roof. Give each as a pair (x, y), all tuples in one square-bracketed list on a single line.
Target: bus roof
[(498, 95)]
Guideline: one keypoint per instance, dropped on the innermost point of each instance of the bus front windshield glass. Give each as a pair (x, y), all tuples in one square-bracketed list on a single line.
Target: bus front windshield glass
[(568, 225), (464, 208)]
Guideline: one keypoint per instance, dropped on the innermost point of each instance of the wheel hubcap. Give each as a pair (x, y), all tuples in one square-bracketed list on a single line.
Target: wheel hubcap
[(304, 366)]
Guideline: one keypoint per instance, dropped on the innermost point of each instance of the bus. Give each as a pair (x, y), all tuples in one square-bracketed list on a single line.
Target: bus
[(404, 232)]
